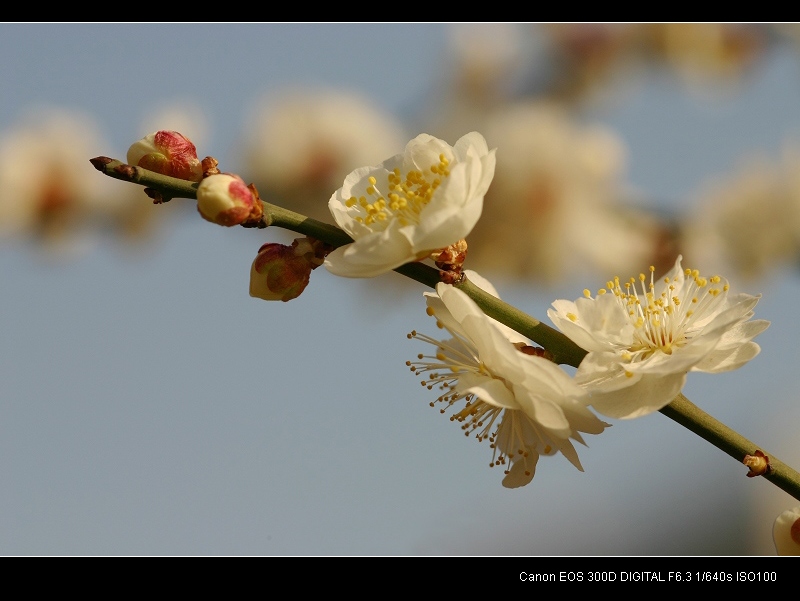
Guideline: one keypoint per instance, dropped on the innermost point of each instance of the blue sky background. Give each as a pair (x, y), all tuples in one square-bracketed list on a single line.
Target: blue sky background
[(150, 406)]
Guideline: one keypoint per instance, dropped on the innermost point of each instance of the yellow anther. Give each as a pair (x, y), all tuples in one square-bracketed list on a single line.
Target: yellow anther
[(601, 291), (586, 293), (572, 317)]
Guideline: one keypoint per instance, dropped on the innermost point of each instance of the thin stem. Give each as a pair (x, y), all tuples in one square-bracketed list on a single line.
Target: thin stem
[(563, 349), (690, 416)]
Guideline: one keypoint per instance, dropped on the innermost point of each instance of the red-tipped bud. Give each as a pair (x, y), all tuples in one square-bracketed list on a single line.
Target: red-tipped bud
[(224, 199), (167, 153), (281, 272)]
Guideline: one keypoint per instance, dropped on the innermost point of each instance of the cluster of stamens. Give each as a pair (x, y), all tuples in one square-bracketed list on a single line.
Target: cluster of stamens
[(453, 358), (662, 323), (399, 198)]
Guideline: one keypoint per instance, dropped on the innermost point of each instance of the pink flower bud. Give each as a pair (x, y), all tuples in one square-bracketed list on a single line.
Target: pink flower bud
[(224, 199), (167, 153), (281, 272)]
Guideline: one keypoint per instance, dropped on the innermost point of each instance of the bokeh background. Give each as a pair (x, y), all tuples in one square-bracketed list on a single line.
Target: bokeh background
[(151, 406)]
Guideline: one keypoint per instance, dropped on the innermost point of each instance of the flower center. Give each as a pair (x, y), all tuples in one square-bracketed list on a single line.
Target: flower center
[(399, 197), (664, 322)]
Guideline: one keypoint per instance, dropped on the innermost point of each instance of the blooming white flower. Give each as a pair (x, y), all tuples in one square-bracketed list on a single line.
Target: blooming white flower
[(642, 344), (786, 532), (416, 202), (524, 404)]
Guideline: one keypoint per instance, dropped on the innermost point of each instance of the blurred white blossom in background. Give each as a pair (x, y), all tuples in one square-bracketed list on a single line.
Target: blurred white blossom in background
[(749, 220), (554, 209), (301, 143)]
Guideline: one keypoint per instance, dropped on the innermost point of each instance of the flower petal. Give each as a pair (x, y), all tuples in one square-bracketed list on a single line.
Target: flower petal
[(649, 394)]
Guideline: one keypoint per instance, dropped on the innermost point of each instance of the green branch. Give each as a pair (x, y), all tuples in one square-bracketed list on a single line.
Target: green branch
[(562, 348)]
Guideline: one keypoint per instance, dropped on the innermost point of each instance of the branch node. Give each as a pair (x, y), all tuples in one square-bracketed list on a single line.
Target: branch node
[(157, 196), (126, 171), (100, 162), (758, 464)]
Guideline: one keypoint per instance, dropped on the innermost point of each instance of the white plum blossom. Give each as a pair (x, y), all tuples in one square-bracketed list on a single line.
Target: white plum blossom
[(523, 403), (424, 199), (786, 532), (641, 344)]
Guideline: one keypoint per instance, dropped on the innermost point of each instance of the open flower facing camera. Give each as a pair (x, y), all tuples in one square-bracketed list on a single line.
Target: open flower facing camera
[(643, 343), (412, 204)]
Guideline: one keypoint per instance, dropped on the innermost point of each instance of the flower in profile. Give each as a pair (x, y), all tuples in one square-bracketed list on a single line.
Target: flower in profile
[(167, 153), (416, 202), (226, 200), (641, 344), (281, 272), (786, 532), (523, 403)]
